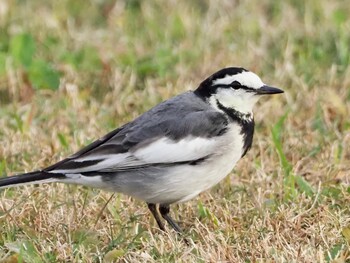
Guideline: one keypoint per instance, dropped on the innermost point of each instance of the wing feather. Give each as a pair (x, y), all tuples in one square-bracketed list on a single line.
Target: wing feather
[(183, 129)]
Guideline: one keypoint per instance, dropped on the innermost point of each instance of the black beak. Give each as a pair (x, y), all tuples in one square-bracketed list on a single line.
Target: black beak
[(267, 90)]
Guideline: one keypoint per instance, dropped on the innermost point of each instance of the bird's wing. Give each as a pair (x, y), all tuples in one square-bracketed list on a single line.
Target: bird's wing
[(163, 136)]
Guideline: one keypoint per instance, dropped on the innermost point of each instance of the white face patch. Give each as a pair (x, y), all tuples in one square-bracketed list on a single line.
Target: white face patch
[(246, 78), (240, 100)]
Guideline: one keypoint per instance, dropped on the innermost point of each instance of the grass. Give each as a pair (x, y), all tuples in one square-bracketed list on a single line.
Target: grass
[(70, 71)]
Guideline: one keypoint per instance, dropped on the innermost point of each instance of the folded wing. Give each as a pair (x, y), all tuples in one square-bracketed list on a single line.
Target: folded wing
[(161, 136)]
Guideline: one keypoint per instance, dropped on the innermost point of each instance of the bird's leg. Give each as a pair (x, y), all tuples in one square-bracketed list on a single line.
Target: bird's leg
[(154, 211), (164, 211)]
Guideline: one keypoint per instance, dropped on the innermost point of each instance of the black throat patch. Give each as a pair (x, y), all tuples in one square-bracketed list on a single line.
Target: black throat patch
[(246, 121)]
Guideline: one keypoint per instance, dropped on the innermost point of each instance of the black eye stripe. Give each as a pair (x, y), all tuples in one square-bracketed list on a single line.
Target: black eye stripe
[(247, 88), (234, 85)]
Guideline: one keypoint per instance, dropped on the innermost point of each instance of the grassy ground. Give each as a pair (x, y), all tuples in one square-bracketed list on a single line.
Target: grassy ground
[(70, 71)]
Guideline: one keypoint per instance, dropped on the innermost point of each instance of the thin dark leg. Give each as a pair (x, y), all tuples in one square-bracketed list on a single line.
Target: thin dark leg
[(164, 211), (154, 211)]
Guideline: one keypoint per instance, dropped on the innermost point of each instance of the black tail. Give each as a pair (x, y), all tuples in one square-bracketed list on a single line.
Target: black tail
[(36, 177)]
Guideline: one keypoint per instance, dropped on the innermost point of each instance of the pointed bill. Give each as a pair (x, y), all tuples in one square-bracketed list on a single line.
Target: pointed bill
[(268, 90)]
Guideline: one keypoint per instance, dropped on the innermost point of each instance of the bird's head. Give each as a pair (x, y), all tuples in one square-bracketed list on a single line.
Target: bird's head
[(234, 88)]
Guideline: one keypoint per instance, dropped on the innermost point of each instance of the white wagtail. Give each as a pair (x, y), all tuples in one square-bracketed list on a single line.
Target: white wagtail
[(174, 151)]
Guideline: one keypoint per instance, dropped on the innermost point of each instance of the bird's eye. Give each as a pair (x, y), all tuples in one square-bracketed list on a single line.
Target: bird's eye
[(235, 85)]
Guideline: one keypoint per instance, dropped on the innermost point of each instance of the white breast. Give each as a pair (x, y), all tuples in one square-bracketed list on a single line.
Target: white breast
[(187, 181)]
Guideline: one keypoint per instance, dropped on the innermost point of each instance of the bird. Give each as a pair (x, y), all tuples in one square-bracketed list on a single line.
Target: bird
[(172, 152)]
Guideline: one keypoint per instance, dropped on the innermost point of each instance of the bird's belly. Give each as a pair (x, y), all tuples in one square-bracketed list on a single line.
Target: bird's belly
[(200, 178), (183, 182)]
